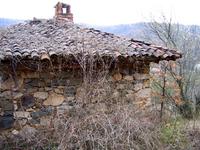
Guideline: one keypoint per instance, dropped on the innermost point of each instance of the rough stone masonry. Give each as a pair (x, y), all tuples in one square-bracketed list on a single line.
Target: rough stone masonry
[(39, 96)]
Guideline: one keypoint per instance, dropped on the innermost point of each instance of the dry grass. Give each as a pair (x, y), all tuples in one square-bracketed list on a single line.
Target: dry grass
[(120, 130)]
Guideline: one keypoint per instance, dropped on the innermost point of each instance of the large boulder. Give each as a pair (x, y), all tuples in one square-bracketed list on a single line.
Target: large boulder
[(6, 121), (27, 101), (117, 77), (41, 95), (10, 84), (22, 114), (54, 99)]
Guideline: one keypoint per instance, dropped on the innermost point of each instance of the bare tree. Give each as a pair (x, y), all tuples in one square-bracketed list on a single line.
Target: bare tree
[(179, 37)]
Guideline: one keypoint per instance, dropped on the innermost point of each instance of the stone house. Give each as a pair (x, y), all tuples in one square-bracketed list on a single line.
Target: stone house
[(50, 67)]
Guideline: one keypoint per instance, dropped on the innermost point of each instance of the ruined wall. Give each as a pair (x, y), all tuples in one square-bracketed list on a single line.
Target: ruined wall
[(35, 98)]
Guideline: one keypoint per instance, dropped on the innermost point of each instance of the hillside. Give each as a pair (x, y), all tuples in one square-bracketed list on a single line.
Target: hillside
[(125, 29), (135, 30), (138, 30)]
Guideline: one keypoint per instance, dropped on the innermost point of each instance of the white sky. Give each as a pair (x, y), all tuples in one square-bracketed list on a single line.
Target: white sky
[(106, 12)]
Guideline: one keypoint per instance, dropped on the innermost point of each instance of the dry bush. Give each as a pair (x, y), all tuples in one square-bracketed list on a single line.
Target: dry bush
[(43, 140), (118, 130), (194, 136)]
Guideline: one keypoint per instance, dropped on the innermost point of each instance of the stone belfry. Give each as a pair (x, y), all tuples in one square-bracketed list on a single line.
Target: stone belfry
[(63, 11)]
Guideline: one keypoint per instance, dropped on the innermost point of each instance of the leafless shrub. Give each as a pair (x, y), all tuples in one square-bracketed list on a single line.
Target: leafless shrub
[(118, 130), (44, 139), (194, 136)]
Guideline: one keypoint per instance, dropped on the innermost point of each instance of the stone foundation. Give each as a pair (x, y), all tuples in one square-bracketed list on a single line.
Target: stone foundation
[(33, 99)]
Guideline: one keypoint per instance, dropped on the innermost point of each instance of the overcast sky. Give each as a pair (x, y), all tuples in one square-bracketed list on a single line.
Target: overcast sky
[(106, 12)]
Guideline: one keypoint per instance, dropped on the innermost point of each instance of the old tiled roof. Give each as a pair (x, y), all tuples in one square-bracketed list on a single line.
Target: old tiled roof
[(32, 39)]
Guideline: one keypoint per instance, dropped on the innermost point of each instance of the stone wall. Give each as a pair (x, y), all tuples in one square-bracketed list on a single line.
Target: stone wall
[(33, 99)]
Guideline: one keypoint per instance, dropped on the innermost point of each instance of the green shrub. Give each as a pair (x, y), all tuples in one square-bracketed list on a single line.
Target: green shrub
[(172, 134)]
